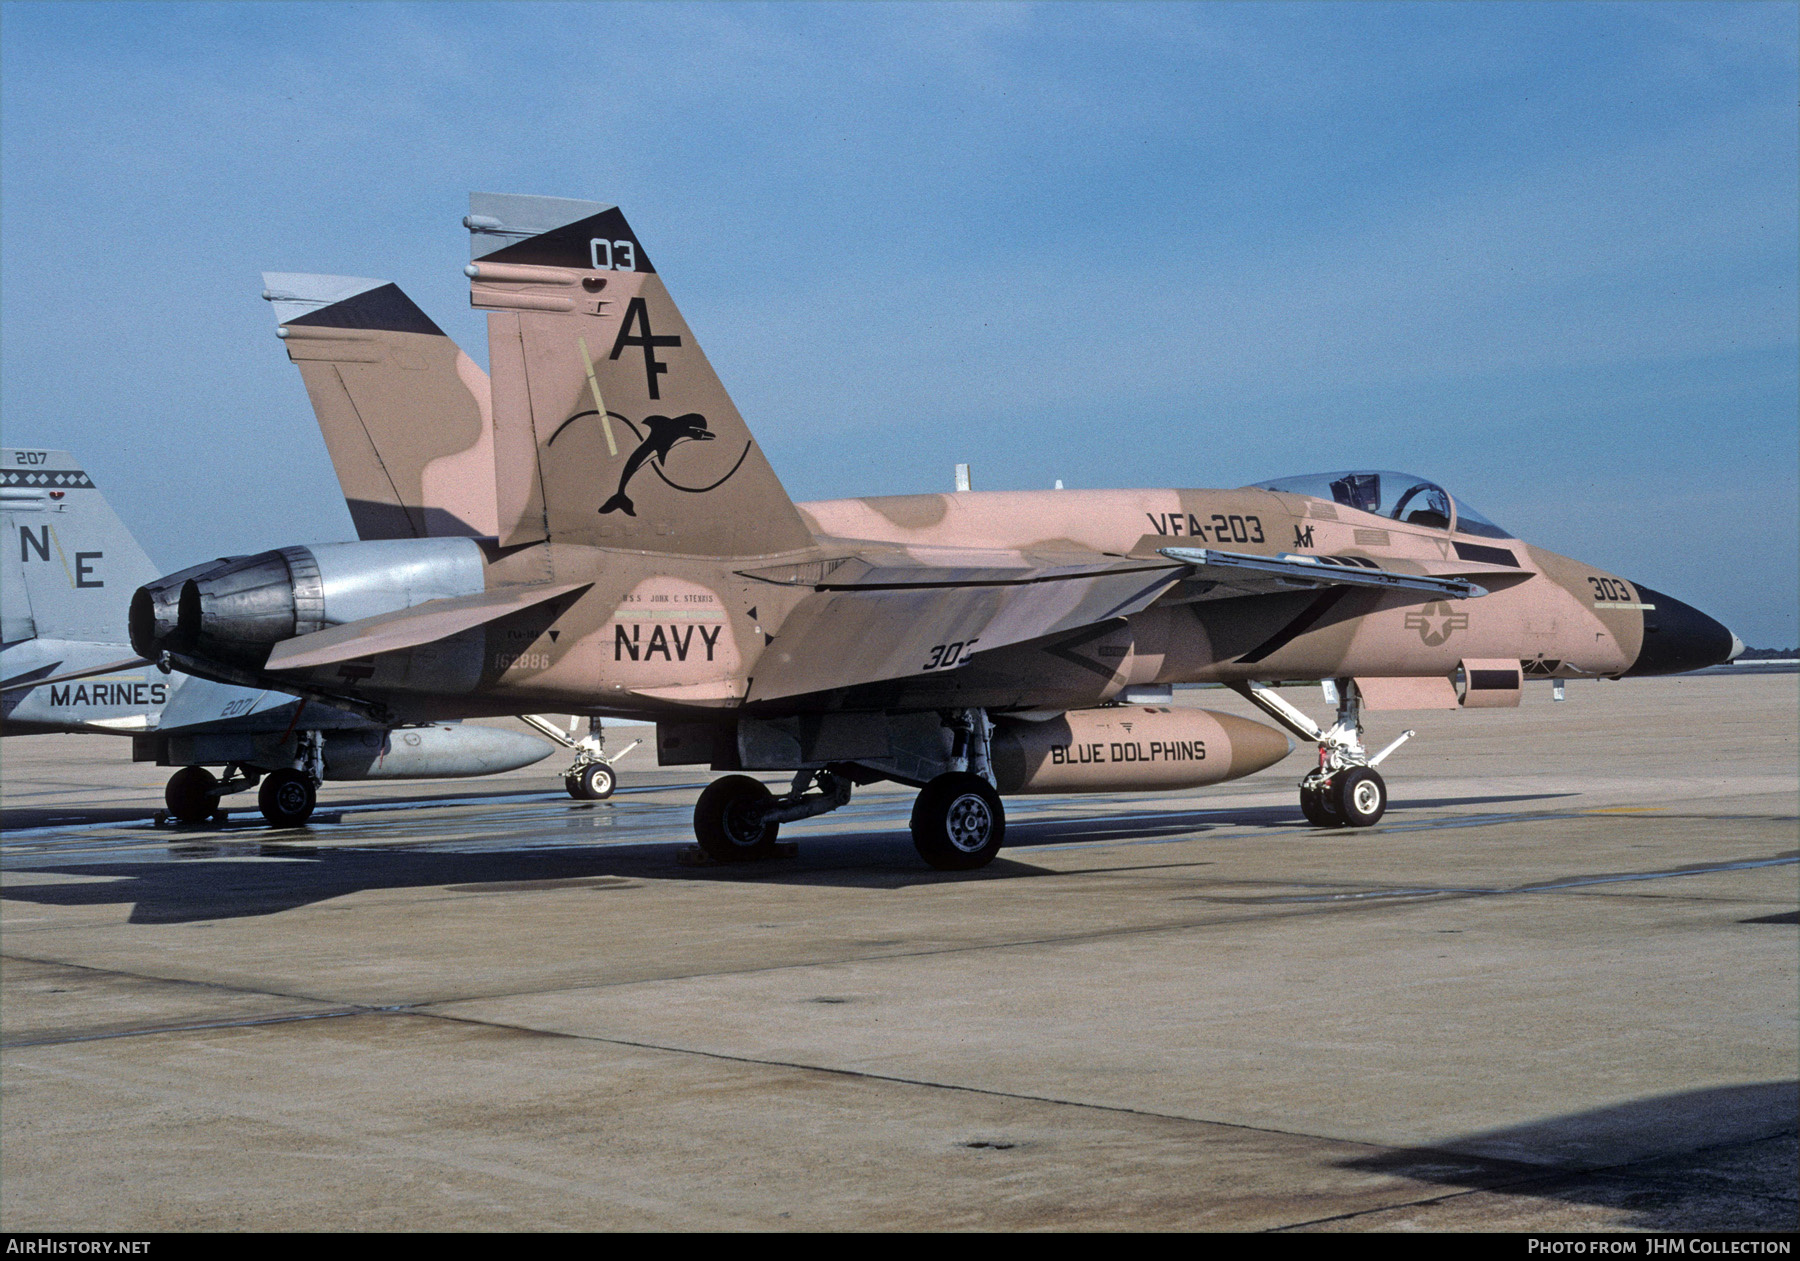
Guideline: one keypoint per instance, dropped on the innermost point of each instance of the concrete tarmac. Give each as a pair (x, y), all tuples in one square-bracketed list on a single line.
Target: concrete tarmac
[(1554, 989)]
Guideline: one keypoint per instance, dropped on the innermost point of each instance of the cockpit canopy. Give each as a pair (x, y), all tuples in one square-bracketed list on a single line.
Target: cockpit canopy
[(1400, 496)]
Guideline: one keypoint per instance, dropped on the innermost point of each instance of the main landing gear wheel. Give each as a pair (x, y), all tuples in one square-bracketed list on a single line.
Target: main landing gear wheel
[(287, 798), (593, 782), (192, 794), (958, 823), (1360, 795), (1318, 804), (727, 819)]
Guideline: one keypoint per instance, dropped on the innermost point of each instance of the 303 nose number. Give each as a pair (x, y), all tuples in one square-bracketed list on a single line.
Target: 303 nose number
[(1610, 591), (945, 656)]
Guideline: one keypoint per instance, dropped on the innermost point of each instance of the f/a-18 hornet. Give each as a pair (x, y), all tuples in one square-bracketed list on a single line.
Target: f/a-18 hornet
[(634, 555)]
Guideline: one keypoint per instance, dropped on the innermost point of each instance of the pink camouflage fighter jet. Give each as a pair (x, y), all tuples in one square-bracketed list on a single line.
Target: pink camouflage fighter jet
[(635, 556)]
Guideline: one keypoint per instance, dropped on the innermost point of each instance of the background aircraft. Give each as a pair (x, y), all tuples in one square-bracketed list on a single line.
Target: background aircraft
[(67, 565), (644, 560)]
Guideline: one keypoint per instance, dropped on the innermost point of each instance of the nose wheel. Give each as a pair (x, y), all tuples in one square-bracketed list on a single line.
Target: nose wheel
[(591, 777), (1317, 805), (1354, 798), (593, 782)]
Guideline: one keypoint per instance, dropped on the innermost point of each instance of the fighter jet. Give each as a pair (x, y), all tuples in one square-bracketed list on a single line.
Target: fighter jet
[(66, 563), (971, 645)]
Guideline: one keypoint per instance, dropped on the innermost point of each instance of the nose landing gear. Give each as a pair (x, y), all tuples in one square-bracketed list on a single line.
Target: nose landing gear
[(1345, 789), (591, 777)]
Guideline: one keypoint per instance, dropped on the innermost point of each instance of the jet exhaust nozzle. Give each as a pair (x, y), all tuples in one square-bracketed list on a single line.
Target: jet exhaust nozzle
[(234, 610), (154, 621)]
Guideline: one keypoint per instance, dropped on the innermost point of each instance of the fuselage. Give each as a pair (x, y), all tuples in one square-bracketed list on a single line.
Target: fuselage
[(660, 635)]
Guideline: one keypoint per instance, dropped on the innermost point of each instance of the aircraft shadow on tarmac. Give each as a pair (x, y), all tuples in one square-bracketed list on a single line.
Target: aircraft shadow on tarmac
[(1719, 1158), (176, 892), (212, 886), (243, 810)]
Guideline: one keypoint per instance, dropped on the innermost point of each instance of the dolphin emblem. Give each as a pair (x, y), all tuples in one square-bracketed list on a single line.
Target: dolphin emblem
[(665, 432)]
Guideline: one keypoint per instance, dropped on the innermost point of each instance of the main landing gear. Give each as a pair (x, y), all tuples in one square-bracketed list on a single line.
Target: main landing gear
[(737, 817), (958, 823), (591, 777), (286, 795), (1345, 789)]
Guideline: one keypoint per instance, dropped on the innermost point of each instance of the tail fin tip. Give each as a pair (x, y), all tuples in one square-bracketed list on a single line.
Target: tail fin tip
[(552, 232), (319, 301)]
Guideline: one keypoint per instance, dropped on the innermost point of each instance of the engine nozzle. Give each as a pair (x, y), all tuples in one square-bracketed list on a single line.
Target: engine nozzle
[(233, 610)]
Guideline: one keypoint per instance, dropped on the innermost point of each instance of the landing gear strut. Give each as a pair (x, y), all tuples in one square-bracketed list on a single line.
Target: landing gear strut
[(958, 823), (1344, 790)]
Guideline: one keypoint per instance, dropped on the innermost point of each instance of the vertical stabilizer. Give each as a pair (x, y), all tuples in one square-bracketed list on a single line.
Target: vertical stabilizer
[(404, 411), (70, 565), (611, 427)]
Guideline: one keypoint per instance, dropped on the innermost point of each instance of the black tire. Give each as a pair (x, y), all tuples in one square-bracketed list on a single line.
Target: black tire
[(192, 794), (287, 798), (1361, 796), (723, 820), (1317, 804), (593, 782), (958, 823)]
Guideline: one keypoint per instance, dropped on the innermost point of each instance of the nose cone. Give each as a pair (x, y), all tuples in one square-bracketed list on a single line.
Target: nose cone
[(1680, 637), (1253, 745)]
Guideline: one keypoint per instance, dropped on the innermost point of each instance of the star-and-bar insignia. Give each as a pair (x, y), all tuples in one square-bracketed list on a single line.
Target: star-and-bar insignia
[(1436, 621)]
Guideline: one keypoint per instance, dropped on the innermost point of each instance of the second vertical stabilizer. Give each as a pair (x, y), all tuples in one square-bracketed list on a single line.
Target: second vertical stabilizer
[(404, 411)]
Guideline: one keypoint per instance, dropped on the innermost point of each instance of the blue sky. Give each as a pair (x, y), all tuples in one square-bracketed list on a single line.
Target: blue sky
[(1546, 253)]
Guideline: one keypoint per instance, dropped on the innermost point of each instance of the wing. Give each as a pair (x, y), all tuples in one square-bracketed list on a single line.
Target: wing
[(894, 621)]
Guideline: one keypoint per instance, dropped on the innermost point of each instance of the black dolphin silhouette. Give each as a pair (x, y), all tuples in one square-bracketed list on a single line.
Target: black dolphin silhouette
[(665, 432)]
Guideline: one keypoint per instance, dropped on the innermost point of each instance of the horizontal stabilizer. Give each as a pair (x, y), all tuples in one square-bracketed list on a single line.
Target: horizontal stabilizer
[(408, 628), (1244, 574), (839, 638)]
